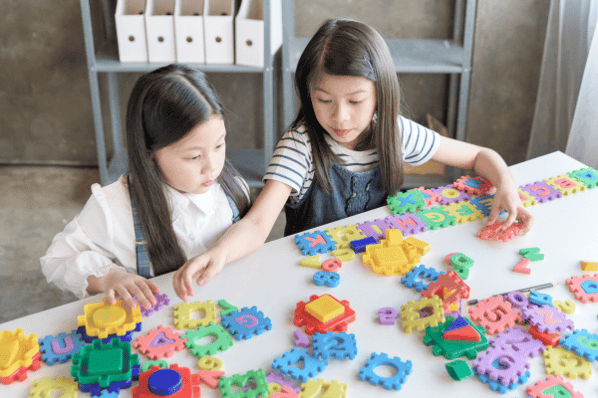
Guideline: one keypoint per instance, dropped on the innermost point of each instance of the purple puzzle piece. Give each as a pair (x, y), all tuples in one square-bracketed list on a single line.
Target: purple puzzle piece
[(162, 300), (547, 319), (456, 195), (408, 223), (367, 228), (301, 339), (520, 341), (512, 364), (542, 191)]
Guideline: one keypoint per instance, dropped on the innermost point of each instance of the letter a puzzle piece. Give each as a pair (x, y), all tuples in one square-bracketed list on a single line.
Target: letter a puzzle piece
[(311, 243), (494, 314), (159, 343)]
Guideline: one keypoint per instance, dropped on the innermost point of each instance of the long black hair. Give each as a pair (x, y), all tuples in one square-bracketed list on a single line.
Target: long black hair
[(164, 106), (345, 47)]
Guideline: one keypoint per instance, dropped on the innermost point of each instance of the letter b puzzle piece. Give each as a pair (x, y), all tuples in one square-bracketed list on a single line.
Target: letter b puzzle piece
[(311, 243), (494, 314)]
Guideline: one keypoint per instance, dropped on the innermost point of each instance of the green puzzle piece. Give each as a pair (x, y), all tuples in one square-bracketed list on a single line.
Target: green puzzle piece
[(452, 349)]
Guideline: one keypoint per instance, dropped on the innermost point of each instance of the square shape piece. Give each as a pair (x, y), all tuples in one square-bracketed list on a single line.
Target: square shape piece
[(105, 362), (325, 308)]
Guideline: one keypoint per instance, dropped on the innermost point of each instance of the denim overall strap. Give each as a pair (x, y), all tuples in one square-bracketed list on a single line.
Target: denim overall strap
[(351, 193), (233, 206), (141, 252)]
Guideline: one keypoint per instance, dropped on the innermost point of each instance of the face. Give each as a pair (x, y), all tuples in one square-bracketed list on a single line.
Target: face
[(191, 164), (344, 106)]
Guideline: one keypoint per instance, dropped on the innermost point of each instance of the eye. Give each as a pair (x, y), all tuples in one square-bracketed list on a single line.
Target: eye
[(356, 102), (324, 101), (195, 157)]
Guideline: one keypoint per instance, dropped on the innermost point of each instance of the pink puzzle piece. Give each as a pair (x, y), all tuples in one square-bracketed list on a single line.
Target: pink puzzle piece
[(585, 289), (494, 314), (491, 232), (552, 387), (159, 343)]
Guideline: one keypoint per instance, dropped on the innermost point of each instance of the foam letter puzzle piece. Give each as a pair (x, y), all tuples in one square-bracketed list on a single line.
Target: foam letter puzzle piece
[(301, 339), (553, 386), (374, 229), (494, 314), (464, 212), (245, 323), (183, 312), (227, 308), (430, 196), (387, 316), (547, 319), (159, 343), (334, 345), (409, 201), (587, 176), (521, 266), (395, 382), (311, 262), (449, 194), (414, 278), (526, 198), (344, 235), (583, 343), (519, 340), (222, 342), (561, 362), (449, 287), (566, 184), (568, 307), (511, 365), (413, 319), (344, 254), (311, 365), (542, 191), (59, 348), (532, 253), (585, 289), (474, 185), (408, 223), (437, 217), (311, 243), (43, 388)]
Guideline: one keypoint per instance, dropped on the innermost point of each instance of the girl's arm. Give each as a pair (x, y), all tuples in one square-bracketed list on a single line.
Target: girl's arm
[(240, 239), (490, 165)]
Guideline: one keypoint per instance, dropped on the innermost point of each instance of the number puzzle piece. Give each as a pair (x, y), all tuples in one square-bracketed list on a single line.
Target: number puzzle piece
[(449, 194), (568, 307), (585, 289), (311, 364), (587, 176), (387, 316), (553, 386), (344, 235), (334, 345), (395, 382), (311, 262), (542, 191), (227, 308), (413, 279), (583, 343), (413, 319), (521, 266), (222, 340), (332, 265), (183, 312), (210, 363), (409, 201), (561, 362), (494, 314), (474, 185), (408, 223), (245, 323), (566, 184), (464, 212), (511, 364), (257, 378), (329, 279), (323, 389), (159, 343), (436, 217), (520, 341), (60, 348), (453, 349), (311, 243), (323, 314)]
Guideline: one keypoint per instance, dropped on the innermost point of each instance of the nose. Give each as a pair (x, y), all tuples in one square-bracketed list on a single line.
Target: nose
[(340, 112), (210, 164)]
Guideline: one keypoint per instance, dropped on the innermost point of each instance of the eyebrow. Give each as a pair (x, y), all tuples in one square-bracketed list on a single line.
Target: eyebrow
[(353, 93)]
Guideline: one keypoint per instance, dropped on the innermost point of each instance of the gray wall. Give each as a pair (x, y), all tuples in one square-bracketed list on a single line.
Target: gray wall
[(44, 91)]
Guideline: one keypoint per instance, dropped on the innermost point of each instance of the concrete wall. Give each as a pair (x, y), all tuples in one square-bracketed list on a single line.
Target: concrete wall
[(44, 91)]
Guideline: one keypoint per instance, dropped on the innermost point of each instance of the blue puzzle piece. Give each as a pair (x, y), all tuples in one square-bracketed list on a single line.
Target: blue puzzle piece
[(539, 298), (311, 365), (410, 279), (61, 347), (334, 345), (590, 287), (245, 323), (330, 279), (498, 386), (127, 337), (359, 245), (95, 390), (582, 343), (395, 382), (311, 243)]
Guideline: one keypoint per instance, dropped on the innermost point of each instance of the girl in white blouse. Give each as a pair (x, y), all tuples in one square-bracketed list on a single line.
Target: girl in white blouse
[(180, 196)]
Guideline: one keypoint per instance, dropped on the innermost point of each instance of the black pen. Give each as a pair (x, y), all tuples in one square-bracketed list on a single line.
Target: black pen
[(527, 289)]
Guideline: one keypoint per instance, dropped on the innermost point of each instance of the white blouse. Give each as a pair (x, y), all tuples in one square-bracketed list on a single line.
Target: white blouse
[(102, 236)]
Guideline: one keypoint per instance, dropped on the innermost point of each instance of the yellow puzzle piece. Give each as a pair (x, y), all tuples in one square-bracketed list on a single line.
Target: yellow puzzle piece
[(325, 308), (413, 319), (183, 311), (102, 319), (16, 350)]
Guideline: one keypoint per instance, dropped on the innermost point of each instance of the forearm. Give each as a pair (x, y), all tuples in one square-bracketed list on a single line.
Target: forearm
[(241, 239), (492, 166)]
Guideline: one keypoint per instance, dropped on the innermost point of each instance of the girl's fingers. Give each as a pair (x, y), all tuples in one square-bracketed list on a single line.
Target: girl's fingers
[(146, 298), (111, 296), (126, 296)]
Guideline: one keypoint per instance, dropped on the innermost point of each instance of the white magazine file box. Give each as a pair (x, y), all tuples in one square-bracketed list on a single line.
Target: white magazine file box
[(189, 31), (159, 26), (249, 32), (219, 32), (130, 30)]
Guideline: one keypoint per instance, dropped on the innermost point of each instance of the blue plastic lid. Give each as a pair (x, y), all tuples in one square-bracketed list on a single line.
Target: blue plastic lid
[(165, 382)]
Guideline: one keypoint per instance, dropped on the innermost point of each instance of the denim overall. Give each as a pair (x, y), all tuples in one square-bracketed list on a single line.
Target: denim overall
[(351, 193), (141, 252)]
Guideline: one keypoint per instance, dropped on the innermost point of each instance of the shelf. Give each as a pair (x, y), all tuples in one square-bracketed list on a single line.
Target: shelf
[(250, 163), (409, 55)]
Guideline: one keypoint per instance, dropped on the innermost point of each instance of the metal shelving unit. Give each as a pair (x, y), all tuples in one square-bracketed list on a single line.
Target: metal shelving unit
[(102, 58), (453, 57)]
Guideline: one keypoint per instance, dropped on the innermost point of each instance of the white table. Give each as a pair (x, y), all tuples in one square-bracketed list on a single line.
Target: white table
[(566, 231)]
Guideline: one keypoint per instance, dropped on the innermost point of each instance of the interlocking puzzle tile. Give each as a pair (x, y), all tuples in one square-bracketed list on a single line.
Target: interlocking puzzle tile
[(553, 386), (245, 323), (256, 377), (464, 212), (148, 364), (436, 217), (127, 337), (374, 229), (329, 279), (389, 260), (344, 235), (311, 364), (588, 266), (583, 343), (210, 377), (587, 176), (449, 287), (226, 307), (532, 253), (18, 354), (183, 312), (359, 245), (408, 223), (210, 363), (430, 196), (301, 339), (511, 364), (387, 315), (585, 289), (449, 194), (315, 242), (367, 372), (61, 347), (520, 341), (492, 231), (329, 317), (334, 345), (568, 307), (222, 342), (174, 382), (414, 278), (461, 264), (323, 388), (159, 343), (102, 366), (499, 387), (103, 319), (473, 185), (453, 349), (413, 319), (162, 300), (561, 362), (483, 203), (422, 247), (458, 369), (42, 388), (542, 191), (538, 298), (526, 198), (332, 265), (518, 299), (566, 184), (494, 314), (409, 201)]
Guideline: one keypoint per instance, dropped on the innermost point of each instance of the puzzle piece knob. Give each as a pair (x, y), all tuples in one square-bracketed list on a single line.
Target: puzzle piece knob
[(110, 315), (165, 382)]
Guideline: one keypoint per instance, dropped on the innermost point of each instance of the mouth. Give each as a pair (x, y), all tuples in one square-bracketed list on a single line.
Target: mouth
[(341, 133), (207, 184)]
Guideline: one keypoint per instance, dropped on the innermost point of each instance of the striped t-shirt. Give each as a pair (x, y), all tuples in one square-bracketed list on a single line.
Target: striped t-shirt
[(292, 163)]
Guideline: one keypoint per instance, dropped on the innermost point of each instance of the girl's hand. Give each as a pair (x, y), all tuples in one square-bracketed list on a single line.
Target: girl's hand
[(119, 283), (508, 200), (199, 269)]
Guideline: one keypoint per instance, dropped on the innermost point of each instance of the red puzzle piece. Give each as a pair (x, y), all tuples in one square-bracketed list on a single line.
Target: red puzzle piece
[(312, 324)]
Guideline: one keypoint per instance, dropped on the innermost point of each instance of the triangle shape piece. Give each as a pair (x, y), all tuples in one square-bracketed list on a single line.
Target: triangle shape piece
[(161, 340), (458, 323), (466, 334)]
